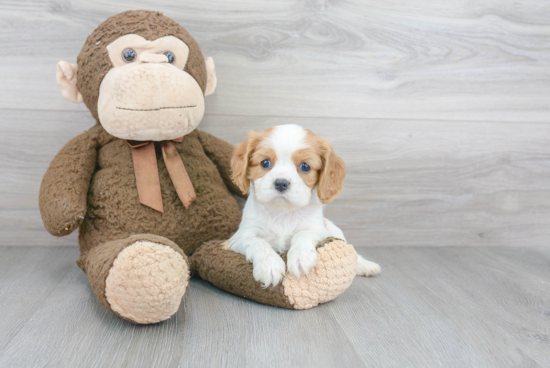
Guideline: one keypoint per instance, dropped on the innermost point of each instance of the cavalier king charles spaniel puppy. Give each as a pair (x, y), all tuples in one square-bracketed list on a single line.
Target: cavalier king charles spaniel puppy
[(288, 173)]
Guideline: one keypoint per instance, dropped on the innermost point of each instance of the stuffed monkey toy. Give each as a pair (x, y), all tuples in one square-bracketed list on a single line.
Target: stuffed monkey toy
[(152, 196)]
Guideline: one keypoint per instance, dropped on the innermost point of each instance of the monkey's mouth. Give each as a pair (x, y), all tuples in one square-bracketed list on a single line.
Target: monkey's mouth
[(158, 109)]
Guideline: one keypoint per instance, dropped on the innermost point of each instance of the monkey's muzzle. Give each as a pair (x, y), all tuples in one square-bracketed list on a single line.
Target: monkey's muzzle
[(149, 101)]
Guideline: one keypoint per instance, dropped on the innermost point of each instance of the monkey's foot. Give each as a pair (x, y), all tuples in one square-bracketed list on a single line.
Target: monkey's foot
[(144, 282), (332, 274)]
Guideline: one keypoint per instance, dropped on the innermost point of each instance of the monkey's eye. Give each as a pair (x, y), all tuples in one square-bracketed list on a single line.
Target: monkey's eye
[(129, 55), (305, 167), (266, 164), (171, 57)]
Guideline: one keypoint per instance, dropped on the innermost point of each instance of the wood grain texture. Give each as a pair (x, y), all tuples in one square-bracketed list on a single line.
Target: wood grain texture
[(367, 59), (451, 307), (27, 277), (440, 110), (431, 307), (412, 183)]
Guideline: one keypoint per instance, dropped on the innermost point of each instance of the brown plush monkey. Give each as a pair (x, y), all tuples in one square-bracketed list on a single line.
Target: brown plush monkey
[(146, 188)]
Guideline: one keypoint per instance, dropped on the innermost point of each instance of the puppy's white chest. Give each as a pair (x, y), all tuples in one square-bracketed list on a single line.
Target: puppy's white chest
[(279, 236)]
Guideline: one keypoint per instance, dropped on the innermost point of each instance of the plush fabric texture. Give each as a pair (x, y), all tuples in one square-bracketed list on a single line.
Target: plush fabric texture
[(220, 153), (91, 184), (332, 275), (147, 176), (149, 94), (93, 61), (147, 282), (64, 188), (114, 211), (230, 271), (97, 262)]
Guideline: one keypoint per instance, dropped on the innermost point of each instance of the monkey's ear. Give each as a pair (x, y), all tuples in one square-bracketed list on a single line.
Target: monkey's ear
[(66, 78), (211, 79)]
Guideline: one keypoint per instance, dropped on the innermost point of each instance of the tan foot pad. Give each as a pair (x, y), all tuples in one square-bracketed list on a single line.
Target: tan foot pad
[(332, 275), (147, 282)]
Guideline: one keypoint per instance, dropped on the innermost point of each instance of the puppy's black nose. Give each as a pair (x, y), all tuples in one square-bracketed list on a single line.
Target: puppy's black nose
[(281, 184)]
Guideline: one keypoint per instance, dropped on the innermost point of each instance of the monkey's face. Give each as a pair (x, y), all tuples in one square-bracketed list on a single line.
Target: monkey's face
[(147, 90), (147, 95)]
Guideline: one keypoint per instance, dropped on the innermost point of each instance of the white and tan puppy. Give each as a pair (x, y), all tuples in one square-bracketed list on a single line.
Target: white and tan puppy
[(289, 173)]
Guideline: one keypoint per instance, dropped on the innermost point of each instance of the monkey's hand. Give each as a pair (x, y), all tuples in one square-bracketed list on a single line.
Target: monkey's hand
[(64, 188), (220, 153)]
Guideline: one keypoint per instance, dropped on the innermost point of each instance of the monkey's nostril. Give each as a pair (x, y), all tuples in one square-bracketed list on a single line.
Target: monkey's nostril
[(281, 184)]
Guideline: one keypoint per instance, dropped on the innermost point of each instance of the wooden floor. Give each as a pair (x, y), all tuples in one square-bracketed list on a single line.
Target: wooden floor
[(431, 307)]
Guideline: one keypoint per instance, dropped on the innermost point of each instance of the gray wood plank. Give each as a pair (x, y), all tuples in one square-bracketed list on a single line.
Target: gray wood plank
[(478, 307), (460, 307), (213, 328), (369, 59), (27, 277), (408, 182)]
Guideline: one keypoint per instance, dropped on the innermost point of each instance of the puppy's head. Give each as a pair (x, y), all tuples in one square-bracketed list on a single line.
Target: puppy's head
[(286, 164)]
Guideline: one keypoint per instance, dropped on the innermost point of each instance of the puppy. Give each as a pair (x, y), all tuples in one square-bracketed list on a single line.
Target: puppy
[(289, 173)]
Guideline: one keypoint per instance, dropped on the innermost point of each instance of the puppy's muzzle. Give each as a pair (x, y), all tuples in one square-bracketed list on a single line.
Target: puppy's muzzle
[(281, 185)]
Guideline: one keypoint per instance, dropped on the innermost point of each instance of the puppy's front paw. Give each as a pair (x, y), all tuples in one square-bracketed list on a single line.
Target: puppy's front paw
[(301, 261), (367, 268), (269, 270)]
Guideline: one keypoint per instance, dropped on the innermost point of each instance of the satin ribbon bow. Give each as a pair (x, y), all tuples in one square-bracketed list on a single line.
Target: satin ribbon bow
[(147, 173)]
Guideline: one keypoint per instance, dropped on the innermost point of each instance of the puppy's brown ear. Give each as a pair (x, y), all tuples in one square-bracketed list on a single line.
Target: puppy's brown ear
[(332, 174), (241, 160)]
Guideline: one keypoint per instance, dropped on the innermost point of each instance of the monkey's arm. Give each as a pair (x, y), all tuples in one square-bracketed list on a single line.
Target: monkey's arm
[(64, 188), (220, 153)]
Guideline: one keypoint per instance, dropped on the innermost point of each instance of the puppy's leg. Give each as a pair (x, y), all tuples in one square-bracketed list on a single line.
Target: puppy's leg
[(334, 230), (366, 267), (302, 255), (268, 266)]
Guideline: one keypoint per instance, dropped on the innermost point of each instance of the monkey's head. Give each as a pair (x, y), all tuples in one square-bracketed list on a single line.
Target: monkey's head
[(142, 76)]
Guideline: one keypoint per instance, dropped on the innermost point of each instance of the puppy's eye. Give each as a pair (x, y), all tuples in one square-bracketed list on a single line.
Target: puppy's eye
[(171, 57), (129, 55), (266, 164), (305, 167)]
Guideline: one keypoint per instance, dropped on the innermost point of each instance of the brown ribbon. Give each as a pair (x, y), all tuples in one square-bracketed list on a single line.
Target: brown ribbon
[(147, 173)]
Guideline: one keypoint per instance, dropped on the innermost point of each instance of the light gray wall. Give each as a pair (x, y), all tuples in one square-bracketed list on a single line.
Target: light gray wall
[(440, 108)]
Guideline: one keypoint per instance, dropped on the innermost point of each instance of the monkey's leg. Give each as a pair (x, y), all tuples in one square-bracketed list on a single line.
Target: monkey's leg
[(332, 275), (141, 278)]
